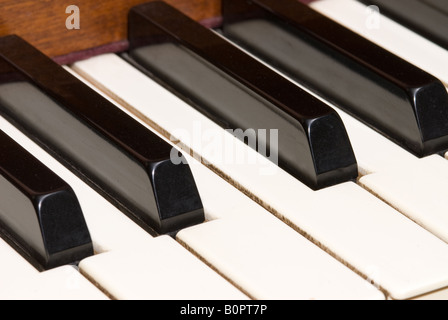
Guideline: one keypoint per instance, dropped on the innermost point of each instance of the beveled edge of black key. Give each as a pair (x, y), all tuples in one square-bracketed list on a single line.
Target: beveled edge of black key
[(52, 205), (158, 22), (175, 191), (126, 134), (431, 105)]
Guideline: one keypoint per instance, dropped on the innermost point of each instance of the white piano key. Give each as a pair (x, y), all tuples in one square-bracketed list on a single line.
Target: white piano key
[(13, 266), (270, 261), (388, 34), (390, 249), (422, 199), (307, 211), (219, 198), (19, 280), (373, 151), (166, 271), (109, 227), (414, 186), (419, 192), (441, 295), (64, 283)]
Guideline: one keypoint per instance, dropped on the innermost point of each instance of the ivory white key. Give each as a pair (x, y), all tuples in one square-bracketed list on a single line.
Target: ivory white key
[(221, 199), (438, 295), (64, 283), (109, 227), (13, 266), (374, 152), (20, 280), (166, 271), (420, 192), (270, 261), (378, 240), (388, 34), (308, 211)]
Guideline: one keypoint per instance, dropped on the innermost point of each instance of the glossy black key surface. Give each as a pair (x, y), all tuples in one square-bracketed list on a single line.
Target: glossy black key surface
[(429, 18), (118, 157), (238, 92), (39, 213), (404, 103)]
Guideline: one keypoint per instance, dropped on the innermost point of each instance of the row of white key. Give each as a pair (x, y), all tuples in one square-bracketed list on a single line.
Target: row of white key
[(269, 261), (19, 280), (415, 187), (110, 229), (159, 269), (115, 271), (113, 232), (132, 265), (156, 269), (123, 274), (139, 267), (346, 220)]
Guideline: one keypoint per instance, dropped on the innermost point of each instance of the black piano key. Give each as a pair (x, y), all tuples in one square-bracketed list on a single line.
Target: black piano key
[(404, 103), (113, 153), (40, 215), (238, 92), (429, 18)]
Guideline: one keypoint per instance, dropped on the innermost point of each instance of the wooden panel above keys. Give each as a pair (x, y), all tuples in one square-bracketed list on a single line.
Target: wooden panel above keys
[(103, 23)]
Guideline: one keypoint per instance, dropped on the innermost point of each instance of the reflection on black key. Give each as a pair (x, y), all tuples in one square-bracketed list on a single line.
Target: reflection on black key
[(237, 92), (39, 213), (117, 156), (406, 104), (429, 18)]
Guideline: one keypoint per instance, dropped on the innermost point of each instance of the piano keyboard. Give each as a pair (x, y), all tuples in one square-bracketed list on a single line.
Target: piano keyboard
[(260, 231)]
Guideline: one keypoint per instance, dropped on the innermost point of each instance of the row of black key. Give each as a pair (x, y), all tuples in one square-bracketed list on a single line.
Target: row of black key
[(119, 158), (387, 93), (401, 101), (82, 129)]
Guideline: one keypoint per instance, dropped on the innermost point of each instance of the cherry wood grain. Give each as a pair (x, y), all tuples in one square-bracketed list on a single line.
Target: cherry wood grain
[(103, 26), (103, 22)]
